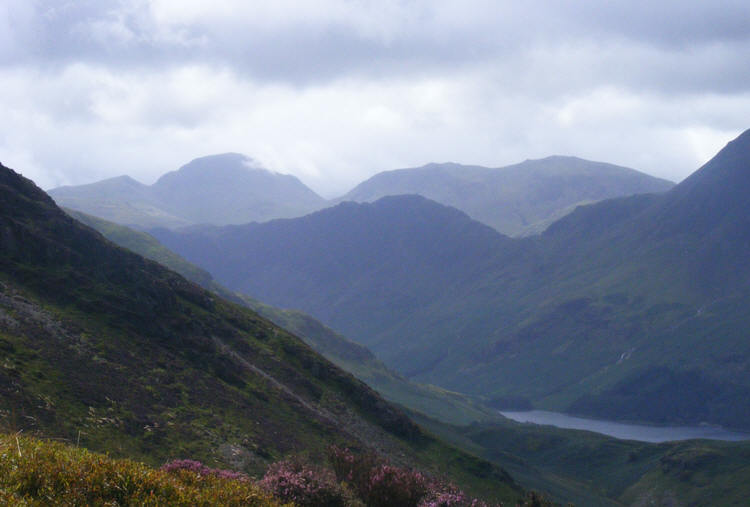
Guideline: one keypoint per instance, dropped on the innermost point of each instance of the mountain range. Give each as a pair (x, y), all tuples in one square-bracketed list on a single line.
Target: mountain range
[(521, 199), (517, 200), (634, 308), (218, 189)]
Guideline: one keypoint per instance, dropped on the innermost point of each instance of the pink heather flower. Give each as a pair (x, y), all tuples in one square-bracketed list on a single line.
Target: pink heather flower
[(202, 470)]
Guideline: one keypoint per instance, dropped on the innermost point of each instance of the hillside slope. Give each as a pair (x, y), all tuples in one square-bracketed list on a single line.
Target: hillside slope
[(544, 458), (517, 200), (143, 363), (431, 400), (634, 308)]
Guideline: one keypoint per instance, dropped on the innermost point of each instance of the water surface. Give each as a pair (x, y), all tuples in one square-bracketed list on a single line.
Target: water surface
[(626, 431)]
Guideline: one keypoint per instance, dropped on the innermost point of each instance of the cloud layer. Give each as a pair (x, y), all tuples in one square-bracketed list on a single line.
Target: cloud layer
[(334, 91)]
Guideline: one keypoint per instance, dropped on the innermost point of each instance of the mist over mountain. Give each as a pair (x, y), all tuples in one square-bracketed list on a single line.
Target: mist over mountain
[(517, 200), (633, 308), (220, 189)]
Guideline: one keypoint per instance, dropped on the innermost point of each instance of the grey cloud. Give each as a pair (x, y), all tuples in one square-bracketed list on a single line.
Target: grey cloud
[(342, 89), (420, 37)]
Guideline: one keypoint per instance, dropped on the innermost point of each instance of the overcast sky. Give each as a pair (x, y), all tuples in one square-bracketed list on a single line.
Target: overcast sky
[(335, 91)]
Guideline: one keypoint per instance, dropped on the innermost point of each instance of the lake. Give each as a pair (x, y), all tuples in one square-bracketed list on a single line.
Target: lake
[(626, 431)]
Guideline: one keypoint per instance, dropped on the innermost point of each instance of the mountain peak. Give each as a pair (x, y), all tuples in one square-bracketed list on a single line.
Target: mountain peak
[(735, 153), (441, 165), (225, 159), (712, 198), (727, 173), (226, 165)]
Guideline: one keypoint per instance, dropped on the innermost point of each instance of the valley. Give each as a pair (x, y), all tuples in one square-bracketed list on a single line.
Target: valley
[(611, 306), (349, 253), (408, 267), (627, 478)]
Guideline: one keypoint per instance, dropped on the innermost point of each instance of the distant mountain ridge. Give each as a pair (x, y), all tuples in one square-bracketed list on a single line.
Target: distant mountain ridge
[(614, 309), (517, 200), (230, 188), (220, 189)]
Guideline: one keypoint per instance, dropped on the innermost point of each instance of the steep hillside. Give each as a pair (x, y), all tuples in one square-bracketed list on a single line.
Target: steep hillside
[(517, 200), (352, 357), (634, 308), (218, 189), (104, 345)]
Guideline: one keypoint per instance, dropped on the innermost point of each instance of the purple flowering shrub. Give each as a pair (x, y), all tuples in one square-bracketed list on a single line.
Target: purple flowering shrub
[(196, 467), (356, 480), (393, 486), (441, 494), (380, 484), (305, 485), (354, 470)]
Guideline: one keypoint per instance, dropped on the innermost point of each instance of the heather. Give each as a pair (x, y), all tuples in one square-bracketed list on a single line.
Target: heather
[(306, 485), (42, 472), (381, 484), (38, 472), (358, 480), (365, 479)]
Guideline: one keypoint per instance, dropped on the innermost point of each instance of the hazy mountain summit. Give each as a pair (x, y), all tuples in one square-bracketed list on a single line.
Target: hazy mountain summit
[(220, 189), (233, 189), (517, 200)]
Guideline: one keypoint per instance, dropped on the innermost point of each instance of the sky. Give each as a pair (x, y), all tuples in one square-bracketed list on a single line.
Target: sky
[(335, 91)]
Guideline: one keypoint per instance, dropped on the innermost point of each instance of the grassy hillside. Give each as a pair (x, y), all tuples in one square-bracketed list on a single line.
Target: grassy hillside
[(37, 472), (592, 469), (101, 343), (143, 244)]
